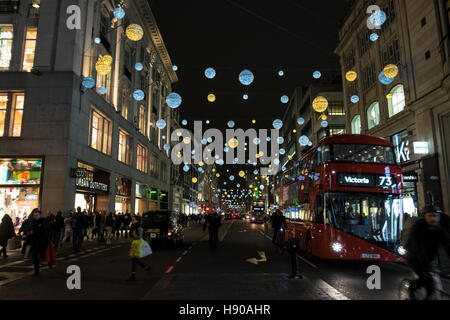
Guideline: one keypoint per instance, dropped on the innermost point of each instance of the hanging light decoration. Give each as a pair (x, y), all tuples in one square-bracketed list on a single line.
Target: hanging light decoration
[(374, 37), (300, 121), (277, 124), (246, 77), (134, 32), (245, 96), (210, 73), (139, 66), (161, 124), (233, 143), (320, 104), (303, 141), (231, 124), (119, 13), (103, 65), (88, 82), (241, 174), (354, 99), (194, 180), (175, 68), (102, 90), (173, 100), (385, 80), (284, 99), (211, 97), (351, 76), (97, 40), (138, 95), (317, 74), (390, 71)]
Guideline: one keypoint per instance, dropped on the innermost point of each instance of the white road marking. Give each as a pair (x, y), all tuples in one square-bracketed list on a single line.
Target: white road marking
[(170, 269), (310, 263), (331, 291), (226, 231), (178, 260), (185, 253)]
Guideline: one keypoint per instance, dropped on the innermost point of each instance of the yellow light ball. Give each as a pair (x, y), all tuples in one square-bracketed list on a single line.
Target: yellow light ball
[(320, 104), (194, 180), (179, 155), (187, 140), (201, 164), (213, 170), (351, 76), (179, 133), (233, 143), (253, 121), (390, 71), (241, 174), (218, 175), (389, 96), (134, 32), (324, 117), (211, 97), (294, 131)]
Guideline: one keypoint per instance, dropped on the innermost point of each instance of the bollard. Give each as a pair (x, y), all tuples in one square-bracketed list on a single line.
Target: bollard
[(294, 248)]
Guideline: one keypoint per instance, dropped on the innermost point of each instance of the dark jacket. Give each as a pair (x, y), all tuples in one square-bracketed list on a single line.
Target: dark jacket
[(59, 222), (109, 221), (423, 245), (213, 221), (6, 229), (40, 236)]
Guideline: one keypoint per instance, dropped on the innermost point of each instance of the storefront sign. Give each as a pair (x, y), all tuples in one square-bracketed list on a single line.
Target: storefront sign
[(153, 194), (79, 173), (92, 185), (367, 180), (401, 147), (421, 147), (410, 177)]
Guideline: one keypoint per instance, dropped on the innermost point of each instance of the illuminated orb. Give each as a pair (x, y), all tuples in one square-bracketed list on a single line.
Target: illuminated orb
[(233, 143), (324, 124), (211, 97), (303, 141), (119, 13), (268, 139), (175, 68), (139, 66), (278, 124), (241, 174), (354, 99), (317, 75), (320, 104), (389, 96), (378, 18), (300, 121), (210, 73), (310, 144), (385, 80), (161, 124), (194, 180), (280, 140), (134, 32), (323, 117), (245, 97), (284, 99), (218, 175), (256, 141), (207, 122), (139, 95), (231, 178), (282, 151), (276, 161), (103, 65), (187, 140), (390, 71), (231, 124), (351, 75), (97, 40), (184, 122), (167, 147), (281, 73), (88, 82), (173, 100), (186, 168), (246, 77), (253, 121), (374, 37), (102, 90)]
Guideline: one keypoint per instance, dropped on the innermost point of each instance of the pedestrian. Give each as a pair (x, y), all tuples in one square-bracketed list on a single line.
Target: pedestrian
[(68, 233), (136, 233), (118, 224), (77, 230), (126, 223), (97, 223), (214, 222), (90, 225), (24, 229), (109, 227), (59, 229), (38, 239), (6, 232)]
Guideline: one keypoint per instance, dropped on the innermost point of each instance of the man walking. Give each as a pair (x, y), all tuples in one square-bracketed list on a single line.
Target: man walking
[(214, 222)]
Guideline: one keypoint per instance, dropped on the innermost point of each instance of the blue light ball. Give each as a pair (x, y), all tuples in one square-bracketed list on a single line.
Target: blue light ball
[(303, 140), (186, 168), (285, 99), (280, 140), (246, 77), (139, 66), (374, 37), (231, 178), (184, 122), (175, 68), (210, 73), (281, 73), (317, 75), (278, 124), (173, 100), (88, 82), (119, 13), (282, 151), (300, 121), (245, 96), (161, 124), (378, 18), (256, 141), (385, 80), (231, 124), (97, 40), (102, 90), (324, 124), (167, 147), (354, 99), (139, 95)]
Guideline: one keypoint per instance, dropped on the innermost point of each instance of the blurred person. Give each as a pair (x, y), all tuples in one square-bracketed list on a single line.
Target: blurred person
[(136, 233), (59, 229), (38, 239), (213, 221), (24, 229), (68, 234), (109, 227), (6, 232)]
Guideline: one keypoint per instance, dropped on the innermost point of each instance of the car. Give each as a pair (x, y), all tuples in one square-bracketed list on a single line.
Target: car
[(161, 229)]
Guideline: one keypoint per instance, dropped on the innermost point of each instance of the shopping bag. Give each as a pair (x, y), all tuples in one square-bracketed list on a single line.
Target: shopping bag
[(135, 248), (146, 249), (50, 254), (14, 243)]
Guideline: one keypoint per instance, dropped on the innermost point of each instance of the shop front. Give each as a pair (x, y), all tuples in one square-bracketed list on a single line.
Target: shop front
[(20, 187), (92, 188), (142, 198), (164, 200), (123, 195), (410, 201), (154, 203)]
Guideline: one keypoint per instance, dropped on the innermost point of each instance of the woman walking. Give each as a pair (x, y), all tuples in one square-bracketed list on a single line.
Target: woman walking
[(6, 233), (136, 233), (39, 236)]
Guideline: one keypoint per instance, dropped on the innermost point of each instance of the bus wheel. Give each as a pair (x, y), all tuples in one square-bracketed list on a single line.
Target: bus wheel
[(308, 248)]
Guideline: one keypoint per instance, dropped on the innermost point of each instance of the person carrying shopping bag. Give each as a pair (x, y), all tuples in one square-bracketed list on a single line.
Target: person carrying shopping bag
[(139, 247)]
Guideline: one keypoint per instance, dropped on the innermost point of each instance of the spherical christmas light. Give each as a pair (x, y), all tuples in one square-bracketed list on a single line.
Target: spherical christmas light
[(241, 174), (175, 68), (103, 65), (320, 104), (389, 96), (139, 66), (211, 97), (385, 80), (246, 77), (119, 13), (134, 32), (167, 147), (187, 140), (317, 75), (351, 76), (184, 122), (173, 100), (245, 97), (280, 140), (231, 178), (300, 121), (390, 71), (186, 168), (278, 124), (231, 124), (285, 99), (161, 124), (354, 99), (378, 18), (97, 40), (281, 73), (138, 95), (324, 123), (374, 37), (233, 143), (256, 141), (102, 90), (303, 141), (323, 117), (282, 151), (194, 180), (88, 82), (210, 73)]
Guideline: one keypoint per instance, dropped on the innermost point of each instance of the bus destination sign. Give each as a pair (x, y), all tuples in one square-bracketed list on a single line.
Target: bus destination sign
[(366, 180)]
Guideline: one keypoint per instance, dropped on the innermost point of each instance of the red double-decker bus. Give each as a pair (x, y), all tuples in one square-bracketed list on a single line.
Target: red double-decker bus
[(343, 199)]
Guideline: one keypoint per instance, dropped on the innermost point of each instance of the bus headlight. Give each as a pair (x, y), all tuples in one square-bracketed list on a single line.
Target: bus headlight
[(336, 246), (401, 251)]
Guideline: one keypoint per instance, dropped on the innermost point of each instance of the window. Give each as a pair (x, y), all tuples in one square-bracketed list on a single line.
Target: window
[(369, 76), (396, 100), (391, 54), (356, 125), (154, 166), (336, 131), (427, 55), (3, 109), (364, 43), (103, 81), (336, 108), (101, 131), (6, 41), (29, 50), (373, 115), (125, 101), (17, 115), (163, 172), (125, 154), (142, 120), (142, 158), (360, 153)]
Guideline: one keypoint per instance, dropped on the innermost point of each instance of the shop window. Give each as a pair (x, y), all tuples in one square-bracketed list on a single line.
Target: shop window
[(29, 49), (6, 42), (17, 114), (356, 125), (125, 101), (336, 131), (396, 100), (125, 154), (100, 133), (142, 120), (3, 109), (373, 115), (142, 158), (336, 108)]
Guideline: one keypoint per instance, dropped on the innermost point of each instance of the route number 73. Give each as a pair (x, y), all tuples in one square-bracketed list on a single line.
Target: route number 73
[(385, 181)]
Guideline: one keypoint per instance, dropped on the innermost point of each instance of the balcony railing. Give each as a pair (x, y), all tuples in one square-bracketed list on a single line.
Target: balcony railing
[(9, 6)]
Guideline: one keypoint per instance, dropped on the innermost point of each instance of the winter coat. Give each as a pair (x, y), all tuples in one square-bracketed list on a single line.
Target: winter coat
[(6, 229)]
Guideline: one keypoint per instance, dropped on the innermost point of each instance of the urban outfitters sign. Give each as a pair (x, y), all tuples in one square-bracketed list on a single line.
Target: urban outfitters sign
[(92, 185)]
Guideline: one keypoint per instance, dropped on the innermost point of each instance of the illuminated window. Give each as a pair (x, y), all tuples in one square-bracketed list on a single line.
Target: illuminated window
[(142, 158), (373, 115), (17, 115), (3, 108), (396, 100), (356, 125), (100, 133), (153, 166), (125, 102), (6, 40), (103, 81), (30, 49), (125, 154), (142, 120)]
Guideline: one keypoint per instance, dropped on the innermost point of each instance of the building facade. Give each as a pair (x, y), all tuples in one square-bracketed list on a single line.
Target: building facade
[(414, 110), (63, 144)]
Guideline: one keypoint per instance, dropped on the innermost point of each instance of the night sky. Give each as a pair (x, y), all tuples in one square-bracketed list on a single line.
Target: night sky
[(295, 36)]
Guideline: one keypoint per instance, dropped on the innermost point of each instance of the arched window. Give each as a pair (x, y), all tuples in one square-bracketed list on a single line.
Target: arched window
[(356, 124), (396, 100), (373, 115)]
